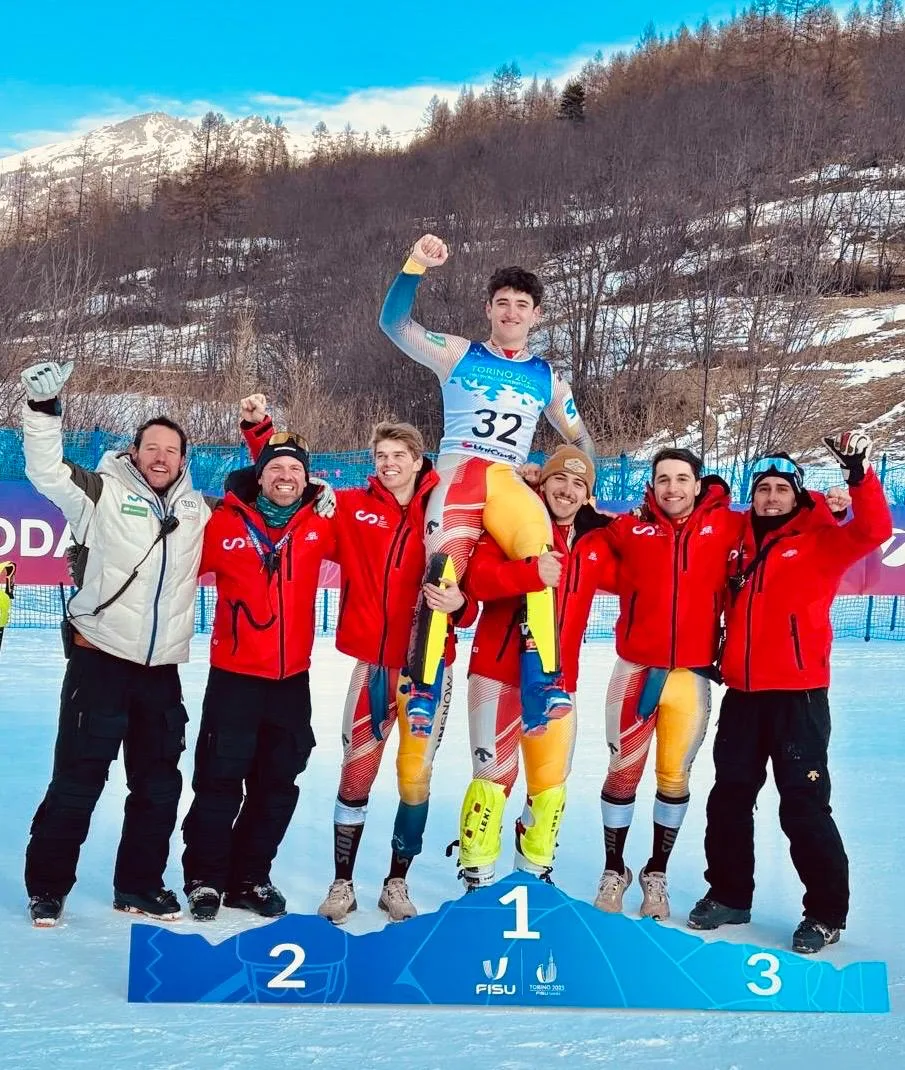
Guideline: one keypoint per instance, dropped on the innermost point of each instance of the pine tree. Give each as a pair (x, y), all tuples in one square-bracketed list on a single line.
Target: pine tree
[(572, 102)]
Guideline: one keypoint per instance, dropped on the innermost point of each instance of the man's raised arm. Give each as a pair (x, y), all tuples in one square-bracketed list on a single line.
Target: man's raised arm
[(439, 352)]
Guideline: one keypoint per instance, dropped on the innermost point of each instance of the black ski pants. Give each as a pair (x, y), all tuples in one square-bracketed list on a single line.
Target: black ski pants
[(107, 701), (254, 740), (792, 730)]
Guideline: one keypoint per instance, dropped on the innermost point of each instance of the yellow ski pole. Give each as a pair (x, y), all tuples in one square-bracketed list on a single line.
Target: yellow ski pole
[(7, 593)]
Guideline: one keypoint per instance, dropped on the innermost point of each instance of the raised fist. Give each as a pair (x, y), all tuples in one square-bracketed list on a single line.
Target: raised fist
[(253, 409), (429, 251), (838, 499), (530, 473), (43, 382), (852, 450)]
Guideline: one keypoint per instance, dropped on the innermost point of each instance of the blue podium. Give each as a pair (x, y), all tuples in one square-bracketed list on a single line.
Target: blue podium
[(520, 942)]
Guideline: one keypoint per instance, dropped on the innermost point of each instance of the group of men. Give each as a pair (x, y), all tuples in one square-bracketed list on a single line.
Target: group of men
[(703, 590)]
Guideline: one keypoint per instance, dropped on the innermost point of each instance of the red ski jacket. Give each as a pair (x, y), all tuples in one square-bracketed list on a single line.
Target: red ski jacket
[(778, 631), (264, 620), (380, 552), (672, 580), (499, 583)]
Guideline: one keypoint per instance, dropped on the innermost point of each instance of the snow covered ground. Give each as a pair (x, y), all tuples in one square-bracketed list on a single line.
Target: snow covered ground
[(63, 991)]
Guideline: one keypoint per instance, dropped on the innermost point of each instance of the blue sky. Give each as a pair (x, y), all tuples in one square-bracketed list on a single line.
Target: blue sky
[(67, 68)]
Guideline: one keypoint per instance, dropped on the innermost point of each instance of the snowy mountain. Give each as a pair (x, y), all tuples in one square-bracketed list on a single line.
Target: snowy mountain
[(128, 158)]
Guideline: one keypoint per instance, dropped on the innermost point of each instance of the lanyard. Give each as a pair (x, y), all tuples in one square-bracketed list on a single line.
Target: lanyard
[(265, 547)]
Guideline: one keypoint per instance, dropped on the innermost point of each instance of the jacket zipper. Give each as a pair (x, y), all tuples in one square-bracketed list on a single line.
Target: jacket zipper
[(513, 621), (163, 565), (342, 604), (796, 642), (674, 637), (631, 613), (401, 527), (282, 624)]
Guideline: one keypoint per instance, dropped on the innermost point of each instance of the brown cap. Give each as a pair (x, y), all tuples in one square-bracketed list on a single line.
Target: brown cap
[(574, 462)]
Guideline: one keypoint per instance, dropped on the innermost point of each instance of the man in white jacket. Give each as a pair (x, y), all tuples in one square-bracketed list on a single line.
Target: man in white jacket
[(138, 526)]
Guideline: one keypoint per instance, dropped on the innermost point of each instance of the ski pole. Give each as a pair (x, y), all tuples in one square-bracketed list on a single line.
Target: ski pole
[(7, 593)]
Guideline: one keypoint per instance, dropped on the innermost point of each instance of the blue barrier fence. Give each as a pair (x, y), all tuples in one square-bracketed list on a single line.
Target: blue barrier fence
[(619, 478), (873, 617)]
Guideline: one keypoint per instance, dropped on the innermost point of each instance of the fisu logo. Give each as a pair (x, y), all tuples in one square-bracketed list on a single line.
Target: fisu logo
[(496, 974)]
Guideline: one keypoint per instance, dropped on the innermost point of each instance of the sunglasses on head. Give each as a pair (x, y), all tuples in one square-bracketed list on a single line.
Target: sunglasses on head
[(280, 438)]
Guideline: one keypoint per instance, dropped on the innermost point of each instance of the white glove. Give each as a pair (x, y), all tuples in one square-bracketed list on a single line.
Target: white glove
[(852, 450), (325, 502), (43, 382)]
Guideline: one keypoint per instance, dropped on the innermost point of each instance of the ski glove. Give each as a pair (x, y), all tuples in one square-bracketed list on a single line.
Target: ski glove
[(852, 450), (43, 382), (325, 502)]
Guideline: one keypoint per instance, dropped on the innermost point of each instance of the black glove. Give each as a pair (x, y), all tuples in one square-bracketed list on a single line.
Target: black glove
[(852, 450)]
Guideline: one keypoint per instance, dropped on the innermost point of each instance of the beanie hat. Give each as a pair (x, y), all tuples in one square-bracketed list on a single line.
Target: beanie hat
[(283, 444), (572, 461)]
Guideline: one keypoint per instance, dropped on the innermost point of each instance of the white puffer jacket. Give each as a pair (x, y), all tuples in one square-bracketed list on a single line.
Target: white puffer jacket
[(117, 516)]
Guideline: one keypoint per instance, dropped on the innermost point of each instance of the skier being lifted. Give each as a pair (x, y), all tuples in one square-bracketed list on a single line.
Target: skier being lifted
[(493, 395)]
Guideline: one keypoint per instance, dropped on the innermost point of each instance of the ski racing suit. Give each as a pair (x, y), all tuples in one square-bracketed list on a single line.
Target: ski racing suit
[(672, 578), (494, 701), (491, 405)]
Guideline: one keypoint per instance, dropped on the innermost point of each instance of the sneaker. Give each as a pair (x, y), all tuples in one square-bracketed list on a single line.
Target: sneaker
[(261, 899), (707, 913), (204, 902), (394, 899), (340, 902), (611, 890), (161, 905), (45, 910), (656, 896), (812, 936), (421, 708)]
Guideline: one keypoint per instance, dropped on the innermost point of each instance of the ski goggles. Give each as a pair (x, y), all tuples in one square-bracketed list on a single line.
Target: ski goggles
[(777, 464), (280, 438)]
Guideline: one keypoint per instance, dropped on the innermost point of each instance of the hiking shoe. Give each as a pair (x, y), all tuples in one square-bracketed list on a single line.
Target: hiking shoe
[(45, 910), (261, 899), (204, 902), (812, 936), (611, 890), (655, 903), (161, 905), (707, 913), (394, 900), (340, 902)]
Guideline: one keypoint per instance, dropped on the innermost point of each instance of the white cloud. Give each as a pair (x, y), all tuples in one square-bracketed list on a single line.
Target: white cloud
[(401, 109)]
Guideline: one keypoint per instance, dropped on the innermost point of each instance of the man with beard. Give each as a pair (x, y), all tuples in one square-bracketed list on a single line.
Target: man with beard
[(785, 572), (138, 526)]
